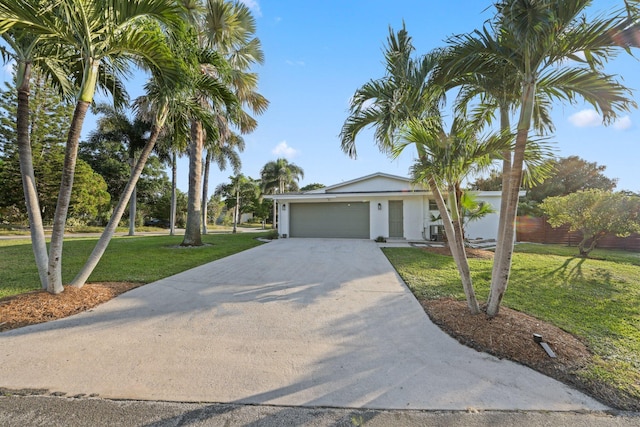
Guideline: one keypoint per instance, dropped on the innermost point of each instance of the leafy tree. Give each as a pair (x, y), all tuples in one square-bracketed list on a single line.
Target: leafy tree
[(238, 195), (89, 197), (312, 186), (493, 182), (594, 213), (570, 174)]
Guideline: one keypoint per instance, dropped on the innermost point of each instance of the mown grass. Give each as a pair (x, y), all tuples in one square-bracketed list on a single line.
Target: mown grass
[(128, 259), (597, 300)]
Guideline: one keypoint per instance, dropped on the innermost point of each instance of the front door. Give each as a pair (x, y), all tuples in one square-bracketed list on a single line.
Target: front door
[(396, 219)]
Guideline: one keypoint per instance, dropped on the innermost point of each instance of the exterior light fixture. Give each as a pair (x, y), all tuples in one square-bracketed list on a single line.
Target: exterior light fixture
[(379, 206), (284, 207)]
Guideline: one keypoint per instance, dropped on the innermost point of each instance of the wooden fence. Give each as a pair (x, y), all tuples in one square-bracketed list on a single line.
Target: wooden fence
[(538, 230)]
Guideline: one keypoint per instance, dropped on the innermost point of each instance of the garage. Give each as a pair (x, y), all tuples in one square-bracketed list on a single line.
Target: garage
[(334, 219)]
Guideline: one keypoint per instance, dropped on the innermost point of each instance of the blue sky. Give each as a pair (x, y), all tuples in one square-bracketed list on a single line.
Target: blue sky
[(318, 53)]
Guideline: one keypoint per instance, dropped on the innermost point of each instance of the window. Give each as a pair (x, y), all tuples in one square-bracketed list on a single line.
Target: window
[(432, 205)]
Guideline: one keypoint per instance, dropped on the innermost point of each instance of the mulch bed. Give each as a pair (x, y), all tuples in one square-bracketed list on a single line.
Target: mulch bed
[(40, 306)]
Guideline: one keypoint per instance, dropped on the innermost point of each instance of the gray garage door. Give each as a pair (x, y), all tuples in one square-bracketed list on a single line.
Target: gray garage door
[(347, 220)]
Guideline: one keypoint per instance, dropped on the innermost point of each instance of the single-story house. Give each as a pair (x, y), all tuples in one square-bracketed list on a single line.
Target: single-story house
[(376, 205)]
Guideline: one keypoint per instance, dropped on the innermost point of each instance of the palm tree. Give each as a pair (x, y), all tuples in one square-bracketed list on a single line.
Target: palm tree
[(546, 44), (234, 192), (405, 96), (116, 125), (229, 29), (446, 160), (221, 154), (102, 36), (279, 176), (24, 53)]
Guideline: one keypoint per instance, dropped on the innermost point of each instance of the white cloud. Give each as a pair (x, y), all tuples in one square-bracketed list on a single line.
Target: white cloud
[(623, 123), (586, 118), (253, 5), (284, 150), (295, 63)]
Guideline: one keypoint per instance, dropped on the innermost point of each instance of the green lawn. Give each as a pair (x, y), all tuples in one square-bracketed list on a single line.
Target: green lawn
[(596, 299), (128, 259)]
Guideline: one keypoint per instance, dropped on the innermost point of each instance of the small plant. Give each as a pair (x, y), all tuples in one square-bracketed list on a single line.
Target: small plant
[(381, 239), (272, 235)]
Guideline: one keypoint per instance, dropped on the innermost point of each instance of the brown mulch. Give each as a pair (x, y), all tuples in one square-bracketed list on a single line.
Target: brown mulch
[(40, 306)]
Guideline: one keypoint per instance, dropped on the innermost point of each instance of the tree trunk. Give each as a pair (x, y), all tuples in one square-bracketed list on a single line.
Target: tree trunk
[(54, 272), (506, 171), (110, 229), (192, 235), (132, 203), (174, 197), (273, 223), (236, 212), (459, 256), (500, 279), (38, 241), (205, 191)]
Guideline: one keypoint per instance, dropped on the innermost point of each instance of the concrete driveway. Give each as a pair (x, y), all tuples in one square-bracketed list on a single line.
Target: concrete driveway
[(300, 322)]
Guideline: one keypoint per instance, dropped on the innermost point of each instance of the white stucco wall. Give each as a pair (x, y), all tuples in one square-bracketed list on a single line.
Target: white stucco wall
[(487, 227)]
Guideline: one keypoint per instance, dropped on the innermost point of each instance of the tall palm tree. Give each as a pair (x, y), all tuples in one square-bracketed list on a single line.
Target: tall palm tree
[(24, 52), (546, 41), (101, 36), (229, 29), (406, 96), (222, 154), (279, 176), (239, 187)]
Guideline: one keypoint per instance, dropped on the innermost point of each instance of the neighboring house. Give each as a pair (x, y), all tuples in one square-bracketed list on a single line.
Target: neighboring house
[(375, 205)]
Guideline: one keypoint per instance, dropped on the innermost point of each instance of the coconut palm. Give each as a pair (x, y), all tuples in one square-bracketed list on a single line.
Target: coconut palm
[(548, 42), (101, 36)]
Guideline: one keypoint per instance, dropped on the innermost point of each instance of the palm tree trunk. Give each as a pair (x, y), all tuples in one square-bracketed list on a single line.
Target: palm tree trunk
[(116, 216), (174, 197), (236, 212), (38, 242), (54, 272), (205, 191), (500, 278), (192, 235), (273, 223), (458, 254), (132, 203), (498, 259)]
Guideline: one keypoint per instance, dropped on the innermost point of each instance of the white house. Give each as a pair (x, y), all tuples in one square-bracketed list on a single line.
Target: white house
[(377, 205)]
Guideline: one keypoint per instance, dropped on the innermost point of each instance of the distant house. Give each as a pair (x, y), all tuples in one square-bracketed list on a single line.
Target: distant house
[(375, 205)]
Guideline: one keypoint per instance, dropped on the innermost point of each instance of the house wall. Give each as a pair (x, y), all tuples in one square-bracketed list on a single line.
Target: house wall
[(487, 227), (416, 215), (379, 219), (378, 183)]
